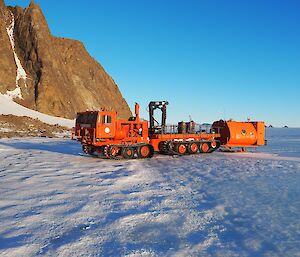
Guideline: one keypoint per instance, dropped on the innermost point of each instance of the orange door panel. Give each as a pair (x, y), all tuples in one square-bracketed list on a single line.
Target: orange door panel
[(106, 125)]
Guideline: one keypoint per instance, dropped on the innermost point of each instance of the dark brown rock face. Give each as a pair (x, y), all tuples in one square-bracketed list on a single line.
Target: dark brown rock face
[(61, 77), (7, 62)]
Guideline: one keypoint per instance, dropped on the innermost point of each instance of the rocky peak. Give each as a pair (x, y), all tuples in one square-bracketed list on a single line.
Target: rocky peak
[(2, 4), (56, 76)]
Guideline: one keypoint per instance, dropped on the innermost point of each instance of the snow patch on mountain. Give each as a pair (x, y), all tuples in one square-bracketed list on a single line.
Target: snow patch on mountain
[(8, 106), (21, 73)]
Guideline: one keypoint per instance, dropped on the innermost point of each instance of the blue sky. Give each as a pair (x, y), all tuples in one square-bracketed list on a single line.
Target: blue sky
[(209, 59)]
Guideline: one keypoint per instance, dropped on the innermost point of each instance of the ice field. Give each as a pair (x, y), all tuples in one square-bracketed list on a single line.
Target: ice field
[(55, 201)]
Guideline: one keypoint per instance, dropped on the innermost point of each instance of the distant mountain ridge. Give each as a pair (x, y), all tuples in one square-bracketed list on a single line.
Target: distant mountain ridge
[(52, 75)]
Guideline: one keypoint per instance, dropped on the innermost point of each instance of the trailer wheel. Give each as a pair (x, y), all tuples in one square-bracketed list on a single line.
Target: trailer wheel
[(163, 147), (180, 148), (204, 148), (128, 152), (145, 151), (213, 144), (193, 148)]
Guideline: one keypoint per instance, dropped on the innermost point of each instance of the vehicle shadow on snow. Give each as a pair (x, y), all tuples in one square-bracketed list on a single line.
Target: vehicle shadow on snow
[(11, 242), (63, 147)]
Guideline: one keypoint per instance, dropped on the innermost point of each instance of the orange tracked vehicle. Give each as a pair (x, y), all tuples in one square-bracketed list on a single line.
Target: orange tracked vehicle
[(102, 132)]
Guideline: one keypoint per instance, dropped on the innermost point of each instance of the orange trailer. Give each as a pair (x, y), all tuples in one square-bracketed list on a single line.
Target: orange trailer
[(185, 138), (184, 143), (240, 134)]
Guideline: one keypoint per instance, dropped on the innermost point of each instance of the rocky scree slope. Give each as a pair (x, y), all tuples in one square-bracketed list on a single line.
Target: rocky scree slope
[(52, 75)]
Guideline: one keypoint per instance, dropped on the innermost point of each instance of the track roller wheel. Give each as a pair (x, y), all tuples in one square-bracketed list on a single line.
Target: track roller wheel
[(145, 151), (180, 148), (87, 149), (192, 148), (128, 152), (105, 151), (111, 151), (204, 148)]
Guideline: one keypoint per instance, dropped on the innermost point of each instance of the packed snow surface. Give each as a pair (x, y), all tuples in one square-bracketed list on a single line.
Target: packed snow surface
[(8, 106), (56, 201)]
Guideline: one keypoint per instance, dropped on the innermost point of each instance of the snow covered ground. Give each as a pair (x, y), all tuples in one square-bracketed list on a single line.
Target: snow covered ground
[(56, 202), (8, 106)]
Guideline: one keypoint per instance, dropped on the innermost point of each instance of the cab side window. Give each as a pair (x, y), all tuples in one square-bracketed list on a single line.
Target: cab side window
[(106, 119)]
